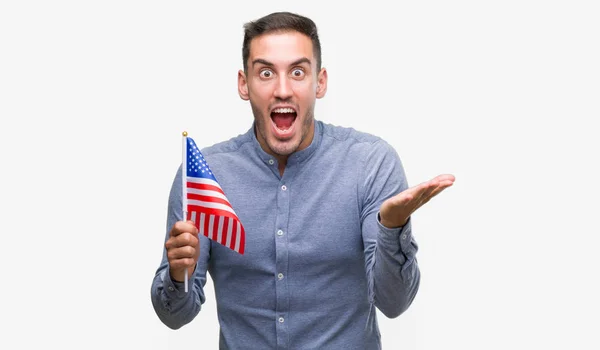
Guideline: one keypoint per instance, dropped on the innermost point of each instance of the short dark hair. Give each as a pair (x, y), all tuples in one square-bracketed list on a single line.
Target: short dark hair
[(281, 22)]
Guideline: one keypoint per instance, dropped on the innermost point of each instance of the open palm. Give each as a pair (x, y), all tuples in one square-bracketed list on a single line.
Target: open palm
[(396, 210)]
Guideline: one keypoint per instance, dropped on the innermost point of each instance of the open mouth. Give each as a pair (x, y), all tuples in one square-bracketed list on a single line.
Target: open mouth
[(283, 119)]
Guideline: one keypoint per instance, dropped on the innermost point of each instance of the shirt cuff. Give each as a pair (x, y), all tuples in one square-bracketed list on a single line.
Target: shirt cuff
[(399, 235), (173, 289)]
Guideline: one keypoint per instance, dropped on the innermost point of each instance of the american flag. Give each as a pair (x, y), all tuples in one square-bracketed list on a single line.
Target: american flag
[(207, 205)]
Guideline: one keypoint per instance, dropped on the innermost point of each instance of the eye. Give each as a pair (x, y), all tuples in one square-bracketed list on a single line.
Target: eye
[(298, 73), (266, 73)]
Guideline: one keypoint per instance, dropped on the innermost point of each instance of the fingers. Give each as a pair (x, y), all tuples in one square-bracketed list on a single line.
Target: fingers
[(422, 193), (440, 183), (182, 240), (411, 194), (183, 245), (180, 264), (182, 227), (182, 257), (431, 186), (182, 233), (442, 186), (396, 210), (423, 189), (445, 177)]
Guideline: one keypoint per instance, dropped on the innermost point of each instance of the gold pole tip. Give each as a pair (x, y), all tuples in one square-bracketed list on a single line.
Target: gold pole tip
[(184, 133)]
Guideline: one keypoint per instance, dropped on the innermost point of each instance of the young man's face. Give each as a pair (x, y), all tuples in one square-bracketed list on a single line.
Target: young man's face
[(282, 85)]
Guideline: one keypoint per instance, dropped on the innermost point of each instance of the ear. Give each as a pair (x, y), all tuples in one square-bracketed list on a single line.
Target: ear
[(242, 85), (322, 83)]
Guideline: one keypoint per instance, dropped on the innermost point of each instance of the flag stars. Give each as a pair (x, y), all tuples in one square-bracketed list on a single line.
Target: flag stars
[(197, 163)]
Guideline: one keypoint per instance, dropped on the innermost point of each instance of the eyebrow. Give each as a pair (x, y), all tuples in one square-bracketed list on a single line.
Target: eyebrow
[(267, 63)]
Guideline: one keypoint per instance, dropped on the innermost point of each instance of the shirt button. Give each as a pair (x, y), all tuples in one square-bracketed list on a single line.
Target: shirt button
[(404, 236), (171, 288), (281, 320), (279, 233), (283, 188), (280, 275), (271, 161)]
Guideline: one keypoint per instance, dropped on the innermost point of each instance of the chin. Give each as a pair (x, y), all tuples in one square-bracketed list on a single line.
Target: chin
[(284, 148)]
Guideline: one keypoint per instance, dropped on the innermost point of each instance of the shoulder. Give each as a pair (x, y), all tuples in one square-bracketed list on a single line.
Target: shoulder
[(347, 134), (232, 145), (355, 141)]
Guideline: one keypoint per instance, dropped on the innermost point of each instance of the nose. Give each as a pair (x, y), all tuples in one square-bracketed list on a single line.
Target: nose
[(283, 90)]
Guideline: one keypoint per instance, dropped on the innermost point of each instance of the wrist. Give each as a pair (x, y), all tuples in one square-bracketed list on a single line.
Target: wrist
[(179, 275), (392, 223)]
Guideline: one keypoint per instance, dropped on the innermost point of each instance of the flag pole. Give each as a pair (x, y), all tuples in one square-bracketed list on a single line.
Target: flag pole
[(184, 190)]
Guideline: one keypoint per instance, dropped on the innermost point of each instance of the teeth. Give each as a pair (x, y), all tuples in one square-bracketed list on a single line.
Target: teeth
[(283, 110)]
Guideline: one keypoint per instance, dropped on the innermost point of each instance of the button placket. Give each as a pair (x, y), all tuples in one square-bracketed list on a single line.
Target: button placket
[(281, 260)]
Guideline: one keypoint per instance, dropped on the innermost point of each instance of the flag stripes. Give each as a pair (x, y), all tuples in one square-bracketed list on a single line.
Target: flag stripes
[(206, 203), (219, 228)]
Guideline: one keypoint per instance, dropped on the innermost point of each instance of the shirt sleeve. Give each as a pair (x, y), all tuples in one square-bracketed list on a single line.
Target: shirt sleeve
[(390, 253), (173, 306)]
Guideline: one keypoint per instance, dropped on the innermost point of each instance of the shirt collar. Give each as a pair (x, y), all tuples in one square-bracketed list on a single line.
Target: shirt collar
[(294, 158)]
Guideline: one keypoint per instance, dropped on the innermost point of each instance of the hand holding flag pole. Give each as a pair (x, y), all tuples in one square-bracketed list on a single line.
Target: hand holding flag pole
[(204, 202)]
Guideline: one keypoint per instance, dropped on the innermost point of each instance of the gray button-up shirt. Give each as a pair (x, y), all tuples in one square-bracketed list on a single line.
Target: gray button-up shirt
[(317, 260)]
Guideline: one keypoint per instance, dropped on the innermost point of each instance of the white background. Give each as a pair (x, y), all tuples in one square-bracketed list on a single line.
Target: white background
[(94, 96)]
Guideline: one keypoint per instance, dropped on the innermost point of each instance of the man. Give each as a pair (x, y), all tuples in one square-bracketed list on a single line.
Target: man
[(326, 212)]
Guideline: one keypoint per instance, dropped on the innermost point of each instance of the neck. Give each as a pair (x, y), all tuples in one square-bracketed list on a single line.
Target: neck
[(282, 159)]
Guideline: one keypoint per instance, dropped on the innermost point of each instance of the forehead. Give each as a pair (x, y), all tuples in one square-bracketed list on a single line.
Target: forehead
[(281, 47)]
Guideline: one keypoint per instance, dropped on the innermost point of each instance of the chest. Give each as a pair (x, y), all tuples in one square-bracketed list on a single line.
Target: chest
[(310, 218)]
